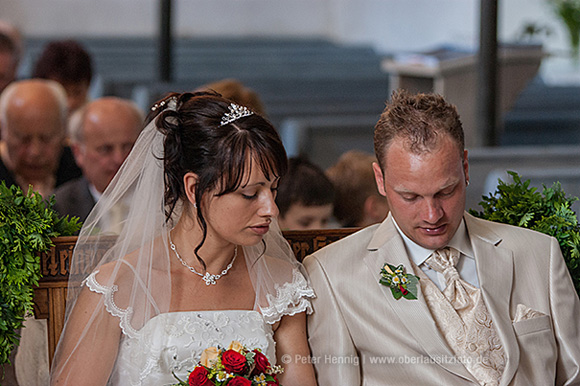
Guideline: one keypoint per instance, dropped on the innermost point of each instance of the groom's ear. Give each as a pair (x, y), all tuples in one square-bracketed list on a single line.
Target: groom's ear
[(189, 185), (379, 178)]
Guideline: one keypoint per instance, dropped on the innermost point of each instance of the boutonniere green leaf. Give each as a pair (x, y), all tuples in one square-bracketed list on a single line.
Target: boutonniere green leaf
[(402, 284)]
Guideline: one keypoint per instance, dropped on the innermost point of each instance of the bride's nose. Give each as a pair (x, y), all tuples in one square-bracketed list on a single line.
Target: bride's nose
[(268, 207)]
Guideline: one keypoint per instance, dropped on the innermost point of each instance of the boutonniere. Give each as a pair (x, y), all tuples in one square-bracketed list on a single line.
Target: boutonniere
[(402, 284)]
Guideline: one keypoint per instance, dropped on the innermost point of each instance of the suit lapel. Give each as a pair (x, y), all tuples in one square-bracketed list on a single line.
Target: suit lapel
[(387, 247), (495, 272)]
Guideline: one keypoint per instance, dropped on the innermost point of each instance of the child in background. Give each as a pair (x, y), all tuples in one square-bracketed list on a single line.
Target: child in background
[(305, 197), (357, 201)]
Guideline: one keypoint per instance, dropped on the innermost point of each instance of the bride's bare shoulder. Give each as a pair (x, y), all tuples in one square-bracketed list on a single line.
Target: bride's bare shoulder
[(124, 268)]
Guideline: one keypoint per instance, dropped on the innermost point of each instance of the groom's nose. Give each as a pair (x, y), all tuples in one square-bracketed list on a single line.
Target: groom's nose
[(432, 211)]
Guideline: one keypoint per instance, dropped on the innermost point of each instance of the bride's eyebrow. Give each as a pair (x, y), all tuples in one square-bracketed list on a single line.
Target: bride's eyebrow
[(254, 184), (261, 183)]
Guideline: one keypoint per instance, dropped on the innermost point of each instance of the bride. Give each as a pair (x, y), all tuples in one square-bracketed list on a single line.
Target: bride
[(200, 260)]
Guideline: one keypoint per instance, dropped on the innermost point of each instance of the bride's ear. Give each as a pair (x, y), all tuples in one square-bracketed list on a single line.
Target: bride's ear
[(189, 185)]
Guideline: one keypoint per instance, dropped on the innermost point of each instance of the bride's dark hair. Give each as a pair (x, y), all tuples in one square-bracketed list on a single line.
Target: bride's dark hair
[(196, 142)]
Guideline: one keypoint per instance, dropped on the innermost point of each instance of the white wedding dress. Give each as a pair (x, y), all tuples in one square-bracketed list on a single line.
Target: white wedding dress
[(173, 342)]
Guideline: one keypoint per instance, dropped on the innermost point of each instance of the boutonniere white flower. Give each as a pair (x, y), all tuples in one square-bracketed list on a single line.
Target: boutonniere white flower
[(402, 284)]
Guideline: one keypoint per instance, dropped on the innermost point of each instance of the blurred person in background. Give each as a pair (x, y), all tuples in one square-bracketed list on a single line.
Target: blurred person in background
[(305, 197), (68, 63), (8, 60), (102, 134), (237, 92), (357, 202), (33, 116), (11, 50)]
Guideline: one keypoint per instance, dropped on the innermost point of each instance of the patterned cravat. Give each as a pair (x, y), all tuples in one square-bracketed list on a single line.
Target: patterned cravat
[(462, 317), (457, 291)]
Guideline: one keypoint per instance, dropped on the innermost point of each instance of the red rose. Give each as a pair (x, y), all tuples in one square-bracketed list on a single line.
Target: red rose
[(261, 363), (403, 290), (199, 377), (239, 381), (234, 362)]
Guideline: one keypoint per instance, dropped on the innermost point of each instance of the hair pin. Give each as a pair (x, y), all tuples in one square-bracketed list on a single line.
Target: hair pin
[(163, 103)]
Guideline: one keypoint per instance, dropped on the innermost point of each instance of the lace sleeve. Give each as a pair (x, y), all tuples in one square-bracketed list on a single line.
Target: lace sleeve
[(291, 298), (108, 293)]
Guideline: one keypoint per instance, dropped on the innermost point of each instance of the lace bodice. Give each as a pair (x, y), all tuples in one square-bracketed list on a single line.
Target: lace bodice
[(173, 342)]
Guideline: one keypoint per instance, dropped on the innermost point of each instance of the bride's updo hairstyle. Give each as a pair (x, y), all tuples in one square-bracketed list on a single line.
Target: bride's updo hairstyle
[(197, 141)]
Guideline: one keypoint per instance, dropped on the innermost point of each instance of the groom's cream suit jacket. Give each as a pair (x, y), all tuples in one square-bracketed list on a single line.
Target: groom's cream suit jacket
[(360, 335)]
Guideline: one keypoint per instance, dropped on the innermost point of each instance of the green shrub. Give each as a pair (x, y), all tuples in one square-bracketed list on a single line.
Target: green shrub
[(27, 223), (548, 212)]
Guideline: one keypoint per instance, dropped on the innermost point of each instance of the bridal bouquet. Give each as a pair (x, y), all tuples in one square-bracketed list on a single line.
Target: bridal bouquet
[(236, 366)]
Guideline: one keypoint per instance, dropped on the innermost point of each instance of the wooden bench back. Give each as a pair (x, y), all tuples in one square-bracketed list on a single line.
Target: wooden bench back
[(50, 295)]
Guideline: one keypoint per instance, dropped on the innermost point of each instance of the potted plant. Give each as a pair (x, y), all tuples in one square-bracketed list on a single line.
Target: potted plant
[(569, 12), (548, 212), (27, 224)]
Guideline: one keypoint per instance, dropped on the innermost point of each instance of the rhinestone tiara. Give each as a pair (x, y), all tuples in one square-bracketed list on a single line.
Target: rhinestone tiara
[(236, 112)]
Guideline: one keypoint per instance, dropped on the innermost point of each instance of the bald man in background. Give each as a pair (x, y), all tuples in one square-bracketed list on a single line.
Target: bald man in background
[(33, 115), (8, 60), (102, 134)]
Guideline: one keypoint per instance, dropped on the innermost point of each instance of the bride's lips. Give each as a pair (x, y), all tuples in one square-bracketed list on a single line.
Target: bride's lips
[(261, 229)]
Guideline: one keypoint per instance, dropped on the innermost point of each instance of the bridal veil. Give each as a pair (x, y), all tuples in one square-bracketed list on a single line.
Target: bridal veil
[(134, 266)]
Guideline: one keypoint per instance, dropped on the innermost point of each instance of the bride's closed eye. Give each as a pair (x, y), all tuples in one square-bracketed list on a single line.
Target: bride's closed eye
[(252, 192), (249, 196)]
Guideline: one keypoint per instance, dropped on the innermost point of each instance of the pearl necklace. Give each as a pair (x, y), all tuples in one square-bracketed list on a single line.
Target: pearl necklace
[(208, 277)]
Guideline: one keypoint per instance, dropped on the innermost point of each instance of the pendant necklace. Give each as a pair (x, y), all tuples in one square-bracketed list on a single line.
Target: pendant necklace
[(208, 277)]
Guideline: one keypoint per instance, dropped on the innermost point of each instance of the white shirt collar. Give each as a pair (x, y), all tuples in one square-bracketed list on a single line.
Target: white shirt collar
[(418, 254), (94, 192)]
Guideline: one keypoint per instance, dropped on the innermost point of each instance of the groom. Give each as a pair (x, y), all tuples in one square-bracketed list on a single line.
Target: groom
[(462, 301)]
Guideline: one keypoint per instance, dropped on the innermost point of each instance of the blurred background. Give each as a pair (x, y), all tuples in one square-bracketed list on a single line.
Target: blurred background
[(324, 68)]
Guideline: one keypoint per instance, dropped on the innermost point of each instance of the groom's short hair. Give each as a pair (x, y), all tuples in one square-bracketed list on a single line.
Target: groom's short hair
[(419, 119)]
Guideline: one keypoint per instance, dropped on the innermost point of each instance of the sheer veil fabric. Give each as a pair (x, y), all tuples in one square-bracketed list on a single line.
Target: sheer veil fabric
[(134, 272)]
